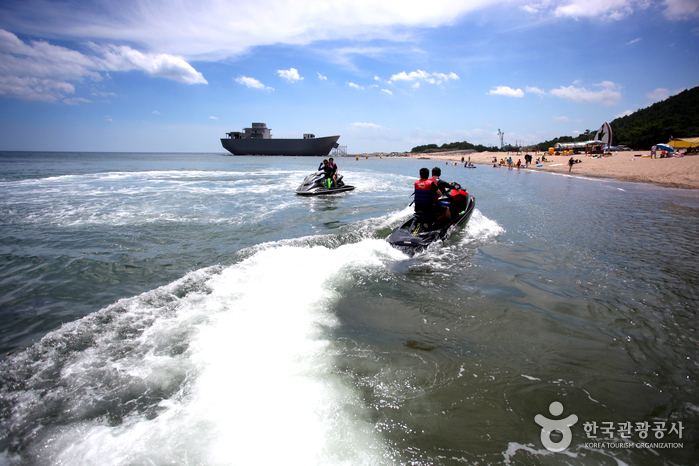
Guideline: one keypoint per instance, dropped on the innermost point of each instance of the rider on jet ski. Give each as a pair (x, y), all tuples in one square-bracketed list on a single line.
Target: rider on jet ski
[(445, 187), (441, 184), (329, 169), (426, 194), (333, 171), (453, 191)]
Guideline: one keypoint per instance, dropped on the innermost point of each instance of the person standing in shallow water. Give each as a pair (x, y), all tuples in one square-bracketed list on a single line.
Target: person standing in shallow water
[(570, 164)]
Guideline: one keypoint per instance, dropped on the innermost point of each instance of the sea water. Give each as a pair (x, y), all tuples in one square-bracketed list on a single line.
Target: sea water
[(191, 309)]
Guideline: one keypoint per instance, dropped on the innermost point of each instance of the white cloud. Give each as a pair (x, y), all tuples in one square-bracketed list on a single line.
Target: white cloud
[(611, 10), (321, 77), (362, 125), (155, 112), (213, 118), (216, 29), (420, 76), (623, 114), (291, 75), (633, 41), (535, 90), (561, 118), (252, 83), (609, 94), (355, 86), (387, 91), (506, 91), (681, 9), (661, 94), (41, 71), (31, 88), (122, 58), (76, 101)]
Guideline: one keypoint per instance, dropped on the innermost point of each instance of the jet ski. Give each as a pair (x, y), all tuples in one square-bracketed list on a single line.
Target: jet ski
[(423, 229), (316, 184)]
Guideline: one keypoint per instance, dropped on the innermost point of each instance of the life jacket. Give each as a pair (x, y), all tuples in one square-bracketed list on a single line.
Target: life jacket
[(423, 192), (458, 194)]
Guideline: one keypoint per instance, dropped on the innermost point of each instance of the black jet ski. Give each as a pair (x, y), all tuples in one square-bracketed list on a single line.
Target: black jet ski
[(424, 229), (316, 183)]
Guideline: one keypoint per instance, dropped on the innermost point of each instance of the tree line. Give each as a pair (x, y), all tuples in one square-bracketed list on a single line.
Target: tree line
[(464, 145), (675, 117)]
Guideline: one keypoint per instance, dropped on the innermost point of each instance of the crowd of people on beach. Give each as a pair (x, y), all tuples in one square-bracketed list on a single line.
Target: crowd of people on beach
[(659, 152), (509, 162)]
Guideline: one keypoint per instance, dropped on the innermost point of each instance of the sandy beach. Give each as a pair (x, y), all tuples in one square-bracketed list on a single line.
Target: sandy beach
[(681, 172)]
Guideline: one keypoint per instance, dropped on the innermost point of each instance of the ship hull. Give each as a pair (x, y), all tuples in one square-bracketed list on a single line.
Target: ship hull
[(259, 146)]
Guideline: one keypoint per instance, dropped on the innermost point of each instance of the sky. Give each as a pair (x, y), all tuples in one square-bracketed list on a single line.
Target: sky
[(385, 75)]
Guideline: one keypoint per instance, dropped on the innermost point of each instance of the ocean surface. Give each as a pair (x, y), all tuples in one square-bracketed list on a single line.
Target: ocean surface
[(191, 309)]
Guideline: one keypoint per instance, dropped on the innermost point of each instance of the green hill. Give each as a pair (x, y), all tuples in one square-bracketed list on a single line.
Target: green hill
[(677, 116)]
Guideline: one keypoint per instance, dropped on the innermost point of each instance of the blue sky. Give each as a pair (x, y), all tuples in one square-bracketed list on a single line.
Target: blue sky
[(386, 75)]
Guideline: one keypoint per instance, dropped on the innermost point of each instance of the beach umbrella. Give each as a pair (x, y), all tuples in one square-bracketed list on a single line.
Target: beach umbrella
[(665, 147), (684, 143)]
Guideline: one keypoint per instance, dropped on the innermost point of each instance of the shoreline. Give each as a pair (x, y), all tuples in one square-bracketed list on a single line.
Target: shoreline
[(634, 166)]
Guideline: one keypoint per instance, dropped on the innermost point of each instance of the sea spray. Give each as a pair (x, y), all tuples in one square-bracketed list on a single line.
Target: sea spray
[(212, 368)]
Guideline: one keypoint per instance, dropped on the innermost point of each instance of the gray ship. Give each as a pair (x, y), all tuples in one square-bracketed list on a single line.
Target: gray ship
[(258, 141)]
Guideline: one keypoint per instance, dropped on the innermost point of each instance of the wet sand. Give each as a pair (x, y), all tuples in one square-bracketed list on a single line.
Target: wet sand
[(674, 171)]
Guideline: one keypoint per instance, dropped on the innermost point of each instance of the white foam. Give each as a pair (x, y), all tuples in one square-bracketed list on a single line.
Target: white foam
[(514, 447), (257, 382), (481, 228), (128, 198)]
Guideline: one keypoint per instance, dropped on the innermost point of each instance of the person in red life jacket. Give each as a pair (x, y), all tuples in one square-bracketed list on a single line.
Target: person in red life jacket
[(327, 170), (426, 194), (445, 188), (333, 171)]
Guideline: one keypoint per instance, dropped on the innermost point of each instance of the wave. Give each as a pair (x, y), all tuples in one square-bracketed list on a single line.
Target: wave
[(213, 368)]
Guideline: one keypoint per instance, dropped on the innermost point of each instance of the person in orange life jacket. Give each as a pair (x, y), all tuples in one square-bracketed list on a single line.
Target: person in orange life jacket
[(333, 173), (426, 195), (327, 171), (444, 187)]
